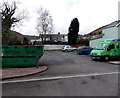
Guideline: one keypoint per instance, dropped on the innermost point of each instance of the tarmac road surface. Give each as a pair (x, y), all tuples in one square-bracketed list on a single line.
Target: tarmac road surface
[(68, 74)]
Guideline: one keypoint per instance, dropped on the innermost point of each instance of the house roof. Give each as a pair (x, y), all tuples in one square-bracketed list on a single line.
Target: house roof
[(99, 30), (16, 34), (54, 35), (31, 36), (47, 36), (113, 24), (118, 24)]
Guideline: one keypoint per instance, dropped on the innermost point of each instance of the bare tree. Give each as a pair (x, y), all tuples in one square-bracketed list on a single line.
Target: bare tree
[(44, 23), (9, 19)]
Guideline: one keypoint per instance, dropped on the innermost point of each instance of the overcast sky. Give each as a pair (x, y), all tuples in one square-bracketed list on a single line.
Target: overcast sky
[(91, 14)]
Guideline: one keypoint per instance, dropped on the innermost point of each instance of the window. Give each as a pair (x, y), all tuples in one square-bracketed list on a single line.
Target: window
[(101, 46), (117, 45), (85, 48), (112, 46)]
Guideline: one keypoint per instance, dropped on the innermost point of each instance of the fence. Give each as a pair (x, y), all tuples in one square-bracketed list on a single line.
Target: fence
[(59, 47), (53, 47)]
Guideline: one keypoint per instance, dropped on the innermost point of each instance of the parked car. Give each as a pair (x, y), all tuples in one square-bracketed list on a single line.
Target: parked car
[(84, 50), (68, 48)]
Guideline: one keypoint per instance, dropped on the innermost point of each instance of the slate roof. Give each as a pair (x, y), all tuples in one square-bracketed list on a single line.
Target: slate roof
[(31, 37), (98, 31), (113, 24)]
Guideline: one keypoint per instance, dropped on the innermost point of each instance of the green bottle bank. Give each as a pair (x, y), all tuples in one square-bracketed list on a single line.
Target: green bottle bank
[(21, 56)]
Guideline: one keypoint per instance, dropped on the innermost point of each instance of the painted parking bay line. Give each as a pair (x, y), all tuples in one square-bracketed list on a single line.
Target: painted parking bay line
[(60, 77)]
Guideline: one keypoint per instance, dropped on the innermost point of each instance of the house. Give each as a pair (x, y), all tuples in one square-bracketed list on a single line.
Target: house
[(15, 38), (98, 33), (110, 31), (49, 37), (31, 38), (54, 37)]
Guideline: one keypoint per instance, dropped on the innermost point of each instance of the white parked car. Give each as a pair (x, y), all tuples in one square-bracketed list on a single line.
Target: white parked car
[(68, 48)]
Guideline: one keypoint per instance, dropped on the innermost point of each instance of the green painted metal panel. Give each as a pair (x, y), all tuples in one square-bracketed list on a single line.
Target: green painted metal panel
[(22, 50), (19, 62), (21, 56)]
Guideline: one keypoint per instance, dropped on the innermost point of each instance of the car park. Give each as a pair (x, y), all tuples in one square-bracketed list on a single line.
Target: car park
[(84, 50), (68, 48)]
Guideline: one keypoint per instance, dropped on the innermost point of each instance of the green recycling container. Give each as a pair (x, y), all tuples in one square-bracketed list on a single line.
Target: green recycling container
[(21, 56)]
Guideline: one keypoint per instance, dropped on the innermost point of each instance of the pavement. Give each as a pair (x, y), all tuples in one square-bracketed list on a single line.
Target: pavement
[(8, 73), (114, 62)]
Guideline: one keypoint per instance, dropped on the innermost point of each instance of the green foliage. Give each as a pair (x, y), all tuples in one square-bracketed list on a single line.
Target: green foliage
[(25, 41), (15, 41), (73, 31)]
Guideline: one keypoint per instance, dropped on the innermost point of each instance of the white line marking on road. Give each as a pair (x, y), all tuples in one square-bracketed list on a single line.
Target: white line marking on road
[(60, 77)]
